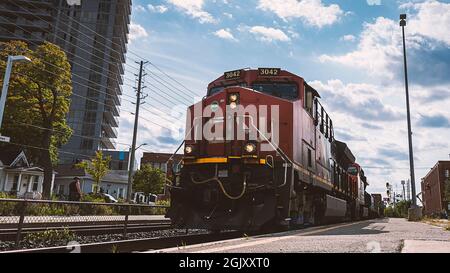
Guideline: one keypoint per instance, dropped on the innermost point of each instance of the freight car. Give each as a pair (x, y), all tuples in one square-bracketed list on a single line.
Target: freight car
[(260, 152)]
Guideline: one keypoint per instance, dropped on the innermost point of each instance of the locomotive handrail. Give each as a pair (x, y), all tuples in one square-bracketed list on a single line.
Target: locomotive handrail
[(276, 148)]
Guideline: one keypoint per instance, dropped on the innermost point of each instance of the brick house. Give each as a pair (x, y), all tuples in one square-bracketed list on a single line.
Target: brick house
[(433, 189)]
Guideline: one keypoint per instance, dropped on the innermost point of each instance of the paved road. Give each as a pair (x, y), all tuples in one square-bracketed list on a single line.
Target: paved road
[(380, 235)]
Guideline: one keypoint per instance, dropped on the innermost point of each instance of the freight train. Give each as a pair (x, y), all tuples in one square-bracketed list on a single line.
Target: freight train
[(260, 152)]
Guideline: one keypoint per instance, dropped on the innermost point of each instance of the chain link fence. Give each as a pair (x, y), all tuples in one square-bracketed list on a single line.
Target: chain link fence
[(20, 213)]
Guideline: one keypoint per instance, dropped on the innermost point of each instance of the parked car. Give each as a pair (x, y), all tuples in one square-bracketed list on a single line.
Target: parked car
[(109, 198)]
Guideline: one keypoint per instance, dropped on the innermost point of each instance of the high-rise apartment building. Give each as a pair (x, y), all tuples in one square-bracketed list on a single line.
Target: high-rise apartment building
[(93, 33)]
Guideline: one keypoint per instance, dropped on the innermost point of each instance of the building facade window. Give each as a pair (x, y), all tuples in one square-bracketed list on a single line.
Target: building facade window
[(61, 189), (35, 181)]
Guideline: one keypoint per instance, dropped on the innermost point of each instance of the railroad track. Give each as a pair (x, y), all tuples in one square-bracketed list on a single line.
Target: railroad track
[(83, 229), (135, 245)]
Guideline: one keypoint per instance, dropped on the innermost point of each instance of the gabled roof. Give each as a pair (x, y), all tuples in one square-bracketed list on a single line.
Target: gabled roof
[(13, 158)]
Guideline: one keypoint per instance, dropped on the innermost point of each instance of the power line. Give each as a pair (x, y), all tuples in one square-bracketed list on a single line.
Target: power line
[(71, 28), (112, 49), (155, 78), (77, 56), (103, 52), (74, 74), (160, 70), (168, 94), (90, 99)]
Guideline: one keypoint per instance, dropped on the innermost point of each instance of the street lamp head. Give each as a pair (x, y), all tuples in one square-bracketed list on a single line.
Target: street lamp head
[(402, 20), (20, 58)]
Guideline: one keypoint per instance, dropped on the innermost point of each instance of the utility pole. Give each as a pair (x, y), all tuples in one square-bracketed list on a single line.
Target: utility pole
[(136, 120), (404, 193), (415, 212)]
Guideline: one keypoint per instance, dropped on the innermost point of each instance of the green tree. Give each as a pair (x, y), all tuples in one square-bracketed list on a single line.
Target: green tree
[(98, 167), (37, 104), (148, 180)]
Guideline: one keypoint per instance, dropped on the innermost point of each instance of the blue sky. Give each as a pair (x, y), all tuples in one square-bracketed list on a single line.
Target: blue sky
[(350, 51)]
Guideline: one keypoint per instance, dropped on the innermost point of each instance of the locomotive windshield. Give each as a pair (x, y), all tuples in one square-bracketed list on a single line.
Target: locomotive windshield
[(217, 89), (287, 91)]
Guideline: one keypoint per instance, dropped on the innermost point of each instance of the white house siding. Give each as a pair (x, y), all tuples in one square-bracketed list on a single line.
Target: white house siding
[(112, 188)]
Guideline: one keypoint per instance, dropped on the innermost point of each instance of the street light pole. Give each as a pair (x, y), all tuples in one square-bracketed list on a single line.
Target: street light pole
[(411, 155), (6, 78)]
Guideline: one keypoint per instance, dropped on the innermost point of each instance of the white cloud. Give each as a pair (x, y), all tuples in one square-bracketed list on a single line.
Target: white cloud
[(194, 8), (378, 132), (225, 34), (139, 8), (379, 49), (374, 2), (348, 38), (432, 20), (312, 12), (269, 34), (157, 9), (229, 15), (137, 31)]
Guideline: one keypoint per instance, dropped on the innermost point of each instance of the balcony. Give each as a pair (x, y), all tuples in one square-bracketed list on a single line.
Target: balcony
[(107, 143), (110, 119), (113, 109), (109, 131), (25, 12), (23, 23)]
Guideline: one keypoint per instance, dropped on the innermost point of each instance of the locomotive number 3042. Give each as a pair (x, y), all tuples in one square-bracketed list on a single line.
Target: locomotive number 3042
[(268, 71), (232, 74)]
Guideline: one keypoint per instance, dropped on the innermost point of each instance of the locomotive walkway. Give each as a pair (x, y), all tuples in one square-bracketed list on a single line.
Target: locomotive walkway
[(379, 235)]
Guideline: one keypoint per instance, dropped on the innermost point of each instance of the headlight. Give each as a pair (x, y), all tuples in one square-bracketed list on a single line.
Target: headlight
[(233, 105), (188, 149), (233, 97), (250, 148)]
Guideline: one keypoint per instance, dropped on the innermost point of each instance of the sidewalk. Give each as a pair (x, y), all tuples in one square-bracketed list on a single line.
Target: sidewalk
[(422, 246)]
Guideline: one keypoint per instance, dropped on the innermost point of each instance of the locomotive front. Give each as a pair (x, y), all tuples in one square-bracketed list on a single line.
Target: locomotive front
[(236, 153)]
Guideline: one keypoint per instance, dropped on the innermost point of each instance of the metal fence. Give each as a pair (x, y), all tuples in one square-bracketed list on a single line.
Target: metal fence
[(20, 213)]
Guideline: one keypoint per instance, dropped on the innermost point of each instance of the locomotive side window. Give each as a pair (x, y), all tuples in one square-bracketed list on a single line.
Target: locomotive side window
[(322, 124), (309, 158), (287, 91), (308, 101)]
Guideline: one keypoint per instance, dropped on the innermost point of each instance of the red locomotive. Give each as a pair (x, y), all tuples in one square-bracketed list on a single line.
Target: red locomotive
[(260, 152)]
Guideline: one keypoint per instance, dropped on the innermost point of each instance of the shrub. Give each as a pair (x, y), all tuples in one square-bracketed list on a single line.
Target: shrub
[(8, 208), (50, 237), (399, 211)]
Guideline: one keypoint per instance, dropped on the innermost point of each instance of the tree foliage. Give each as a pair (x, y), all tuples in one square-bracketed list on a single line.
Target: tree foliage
[(148, 180), (98, 167), (37, 104), (400, 209)]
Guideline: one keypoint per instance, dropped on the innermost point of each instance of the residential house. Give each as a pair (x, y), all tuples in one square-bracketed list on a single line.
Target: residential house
[(19, 176), (114, 183)]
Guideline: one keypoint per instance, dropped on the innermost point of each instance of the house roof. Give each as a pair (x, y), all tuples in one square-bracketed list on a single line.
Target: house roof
[(8, 157), (113, 176), (11, 157), (69, 170)]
